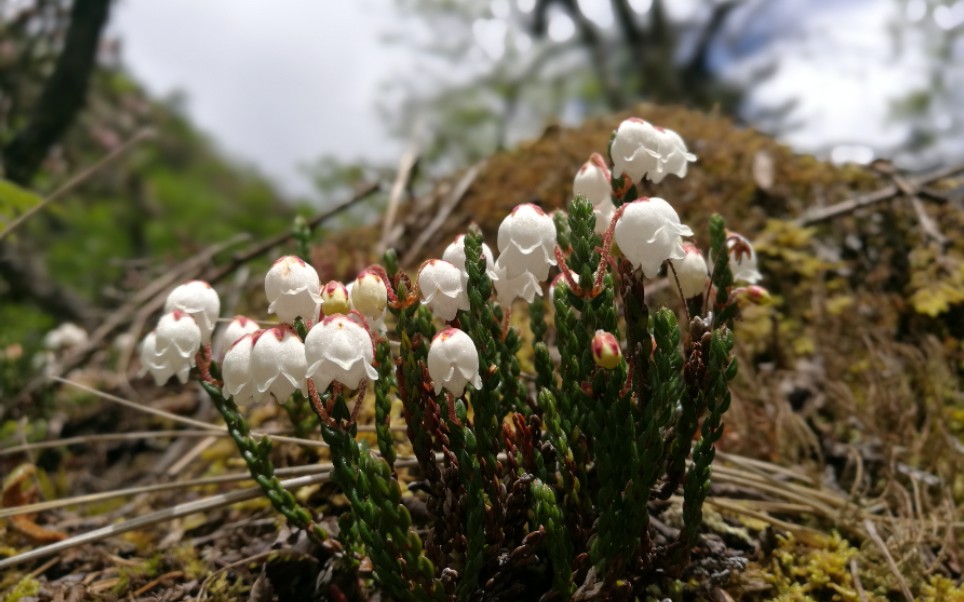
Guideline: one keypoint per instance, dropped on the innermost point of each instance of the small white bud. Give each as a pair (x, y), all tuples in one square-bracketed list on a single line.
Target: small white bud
[(593, 181), (455, 254), (691, 270), (227, 335), (369, 294)]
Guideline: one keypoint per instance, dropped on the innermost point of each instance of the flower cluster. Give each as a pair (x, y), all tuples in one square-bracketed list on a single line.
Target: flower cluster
[(623, 402)]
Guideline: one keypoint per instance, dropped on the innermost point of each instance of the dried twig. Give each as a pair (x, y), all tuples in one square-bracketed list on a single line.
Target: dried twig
[(889, 192), (444, 210), (406, 170), (879, 542)]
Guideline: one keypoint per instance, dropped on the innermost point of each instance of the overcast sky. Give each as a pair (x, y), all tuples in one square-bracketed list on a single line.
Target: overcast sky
[(280, 83)]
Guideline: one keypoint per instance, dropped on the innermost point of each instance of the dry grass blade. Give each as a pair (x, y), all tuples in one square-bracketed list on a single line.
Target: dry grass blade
[(211, 428), (891, 564), (106, 438), (160, 516)]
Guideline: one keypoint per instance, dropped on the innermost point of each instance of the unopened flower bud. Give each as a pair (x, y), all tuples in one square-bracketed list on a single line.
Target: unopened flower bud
[(291, 286), (692, 272), (752, 295), (335, 299), (440, 284), (453, 362), (339, 350), (198, 300), (605, 350), (369, 294)]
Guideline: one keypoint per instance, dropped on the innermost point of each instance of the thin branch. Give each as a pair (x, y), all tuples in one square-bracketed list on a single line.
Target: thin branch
[(78, 179), (866, 200)]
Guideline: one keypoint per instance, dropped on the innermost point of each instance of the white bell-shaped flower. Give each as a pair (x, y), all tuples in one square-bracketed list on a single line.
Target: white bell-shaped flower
[(455, 254), (278, 363), (198, 300), (228, 334), (335, 299), (593, 181), (673, 156), (442, 290), (66, 336), (742, 259), (453, 362), (692, 272), (648, 233), (236, 370), (603, 212), (369, 295), (339, 350), (635, 149), (527, 242), (292, 287), (507, 290), (173, 347)]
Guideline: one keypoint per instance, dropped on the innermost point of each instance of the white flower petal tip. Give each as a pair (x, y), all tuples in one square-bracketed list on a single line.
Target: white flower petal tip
[(648, 233), (523, 286), (277, 363), (527, 242), (453, 362), (339, 350), (293, 290), (198, 300), (442, 289)]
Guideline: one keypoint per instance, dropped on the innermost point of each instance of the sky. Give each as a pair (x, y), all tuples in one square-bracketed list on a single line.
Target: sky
[(278, 84)]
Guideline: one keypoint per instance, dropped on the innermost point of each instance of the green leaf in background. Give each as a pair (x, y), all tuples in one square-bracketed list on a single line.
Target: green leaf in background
[(14, 201)]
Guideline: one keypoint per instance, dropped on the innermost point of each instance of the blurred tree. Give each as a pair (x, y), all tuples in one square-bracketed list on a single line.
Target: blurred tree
[(516, 63), (931, 33), (163, 201)]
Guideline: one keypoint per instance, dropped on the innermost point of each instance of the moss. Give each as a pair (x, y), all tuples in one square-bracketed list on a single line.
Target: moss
[(800, 572), (25, 588)]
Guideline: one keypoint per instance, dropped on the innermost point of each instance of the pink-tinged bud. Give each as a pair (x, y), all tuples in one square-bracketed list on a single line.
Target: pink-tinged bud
[(605, 350), (339, 350), (291, 286), (752, 295), (369, 294), (527, 243), (237, 328), (592, 181), (648, 233), (691, 270), (453, 362), (278, 363), (335, 299), (198, 300), (440, 284)]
